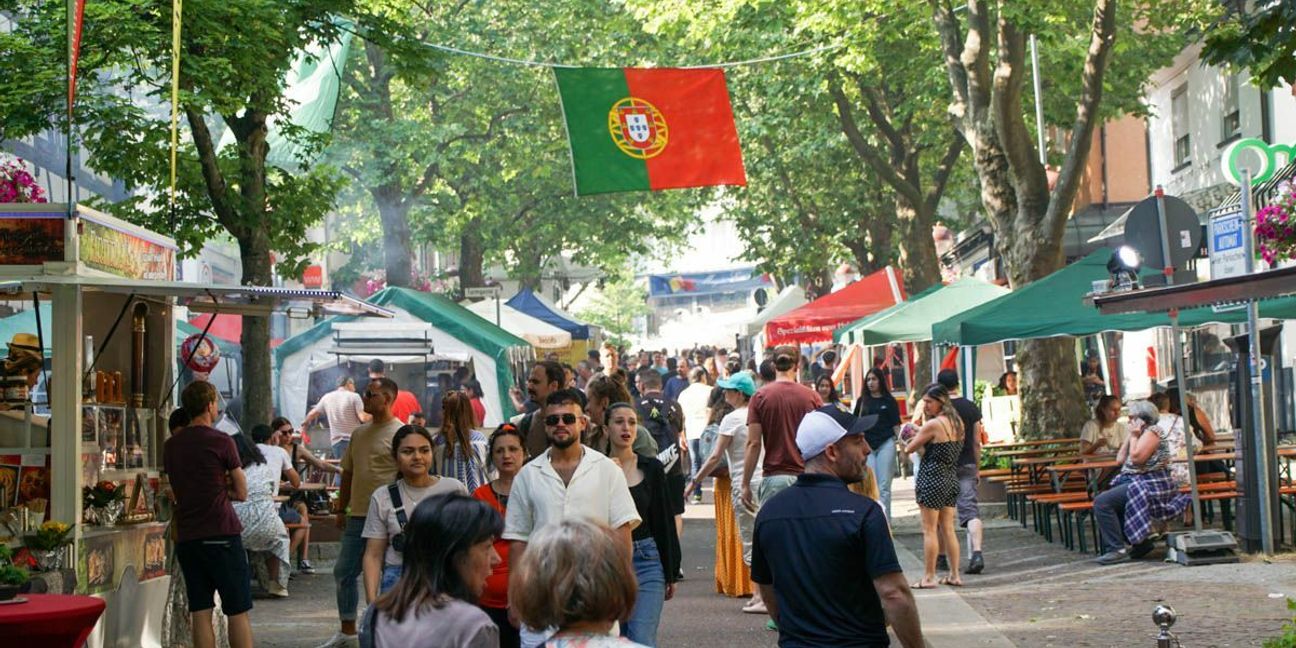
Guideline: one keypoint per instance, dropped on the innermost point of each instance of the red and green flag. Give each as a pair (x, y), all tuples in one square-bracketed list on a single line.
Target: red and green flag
[(634, 129)]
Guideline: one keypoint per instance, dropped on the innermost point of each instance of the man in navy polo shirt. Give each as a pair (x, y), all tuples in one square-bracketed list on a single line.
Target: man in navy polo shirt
[(823, 556)]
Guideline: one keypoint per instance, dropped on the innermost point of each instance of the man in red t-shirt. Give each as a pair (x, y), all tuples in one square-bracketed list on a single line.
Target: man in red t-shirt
[(772, 419), (205, 473), (405, 403)]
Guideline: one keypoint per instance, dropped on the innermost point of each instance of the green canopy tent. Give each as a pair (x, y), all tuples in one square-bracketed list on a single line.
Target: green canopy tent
[(454, 332), (1054, 306), (911, 321)]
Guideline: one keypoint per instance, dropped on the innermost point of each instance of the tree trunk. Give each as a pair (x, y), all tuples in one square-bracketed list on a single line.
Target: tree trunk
[(471, 256), (398, 251), (254, 251)]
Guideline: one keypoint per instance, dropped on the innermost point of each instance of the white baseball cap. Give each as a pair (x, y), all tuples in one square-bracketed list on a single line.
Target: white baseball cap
[(826, 426)]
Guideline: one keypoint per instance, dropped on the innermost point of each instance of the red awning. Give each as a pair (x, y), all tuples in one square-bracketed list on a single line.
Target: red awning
[(813, 323), (227, 327)]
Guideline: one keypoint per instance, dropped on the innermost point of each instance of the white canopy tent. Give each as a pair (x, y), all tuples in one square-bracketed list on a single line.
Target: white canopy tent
[(540, 334)]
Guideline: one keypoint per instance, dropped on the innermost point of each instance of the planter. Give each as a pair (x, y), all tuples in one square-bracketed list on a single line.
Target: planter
[(9, 592), (107, 515), (48, 560)]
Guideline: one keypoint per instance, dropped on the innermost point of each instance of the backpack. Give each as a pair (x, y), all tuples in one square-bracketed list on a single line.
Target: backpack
[(706, 448), (655, 416)]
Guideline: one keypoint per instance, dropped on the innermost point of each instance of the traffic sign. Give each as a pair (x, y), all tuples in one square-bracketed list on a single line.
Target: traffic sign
[(1227, 245)]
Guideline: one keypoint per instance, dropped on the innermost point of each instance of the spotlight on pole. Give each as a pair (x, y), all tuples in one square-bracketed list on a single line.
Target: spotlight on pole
[(1123, 266)]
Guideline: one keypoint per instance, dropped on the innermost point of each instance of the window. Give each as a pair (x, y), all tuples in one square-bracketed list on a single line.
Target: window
[(1231, 120), (1179, 126)]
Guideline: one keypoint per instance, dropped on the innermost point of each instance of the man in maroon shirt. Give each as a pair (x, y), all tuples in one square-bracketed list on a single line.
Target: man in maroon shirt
[(203, 467), (772, 419)]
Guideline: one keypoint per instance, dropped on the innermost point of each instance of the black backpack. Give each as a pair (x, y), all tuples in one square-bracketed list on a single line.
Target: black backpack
[(655, 415)]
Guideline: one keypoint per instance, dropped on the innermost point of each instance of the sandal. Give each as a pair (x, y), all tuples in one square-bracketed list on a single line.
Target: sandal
[(919, 585), (952, 583)]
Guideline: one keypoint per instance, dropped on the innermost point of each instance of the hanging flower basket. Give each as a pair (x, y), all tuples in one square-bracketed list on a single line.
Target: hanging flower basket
[(1276, 230), (17, 184)]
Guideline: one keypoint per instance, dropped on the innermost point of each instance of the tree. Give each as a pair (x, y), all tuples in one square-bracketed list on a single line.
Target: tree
[(621, 300), (985, 62), (1256, 36), (235, 55), (470, 154)]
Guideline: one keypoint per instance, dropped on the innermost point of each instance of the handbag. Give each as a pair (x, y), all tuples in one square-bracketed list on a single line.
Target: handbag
[(707, 444)]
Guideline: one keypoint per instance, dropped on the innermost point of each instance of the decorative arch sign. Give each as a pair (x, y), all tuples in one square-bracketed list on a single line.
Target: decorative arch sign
[(1271, 157)]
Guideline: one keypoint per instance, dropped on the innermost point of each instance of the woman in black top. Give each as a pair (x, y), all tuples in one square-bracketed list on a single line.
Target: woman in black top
[(656, 546), (877, 399)]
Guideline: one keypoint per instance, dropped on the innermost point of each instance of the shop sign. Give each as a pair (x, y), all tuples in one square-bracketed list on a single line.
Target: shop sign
[(31, 234), (125, 254), (313, 276), (1267, 154), (1227, 247)]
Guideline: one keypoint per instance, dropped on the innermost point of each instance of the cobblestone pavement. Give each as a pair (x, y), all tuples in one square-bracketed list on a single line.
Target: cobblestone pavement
[(1035, 593), (1041, 594)]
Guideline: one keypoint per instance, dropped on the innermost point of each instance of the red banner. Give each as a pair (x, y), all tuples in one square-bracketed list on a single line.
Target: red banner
[(77, 20)]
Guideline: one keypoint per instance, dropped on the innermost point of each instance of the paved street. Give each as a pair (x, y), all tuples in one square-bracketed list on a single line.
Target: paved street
[(1032, 594)]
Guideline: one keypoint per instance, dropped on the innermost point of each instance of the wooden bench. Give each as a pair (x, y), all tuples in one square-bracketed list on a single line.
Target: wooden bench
[(1069, 511)]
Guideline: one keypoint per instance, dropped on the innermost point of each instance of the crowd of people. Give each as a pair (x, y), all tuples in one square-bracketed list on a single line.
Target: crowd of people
[(458, 537)]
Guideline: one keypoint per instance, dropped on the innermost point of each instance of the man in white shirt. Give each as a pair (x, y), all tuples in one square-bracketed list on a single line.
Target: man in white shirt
[(566, 481), (693, 400), (345, 412)]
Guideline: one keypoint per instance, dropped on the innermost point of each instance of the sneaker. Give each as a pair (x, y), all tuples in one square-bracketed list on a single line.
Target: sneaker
[(770, 625), (976, 564), (680, 576), (1142, 549), (304, 567), (1113, 557), (276, 590), (339, 640), (697, 499), (942, 563), (755, 607)]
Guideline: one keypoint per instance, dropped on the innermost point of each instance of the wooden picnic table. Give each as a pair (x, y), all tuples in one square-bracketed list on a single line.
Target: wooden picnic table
[(1032, 452), (1093, 468), (1036, 466), (1030, 443)]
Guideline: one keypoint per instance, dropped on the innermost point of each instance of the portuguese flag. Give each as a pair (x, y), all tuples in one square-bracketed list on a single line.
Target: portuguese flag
[(636, 129)]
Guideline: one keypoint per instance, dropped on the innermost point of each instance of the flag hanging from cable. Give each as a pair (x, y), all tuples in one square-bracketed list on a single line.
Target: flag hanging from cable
[(176, 7), (635, 129), (74, 54)]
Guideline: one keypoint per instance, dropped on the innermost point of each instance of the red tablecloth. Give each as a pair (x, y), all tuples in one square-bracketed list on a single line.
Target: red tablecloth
[(53, 620)]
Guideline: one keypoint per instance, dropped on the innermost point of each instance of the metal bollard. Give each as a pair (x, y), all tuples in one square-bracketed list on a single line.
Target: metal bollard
[(1164, 617)]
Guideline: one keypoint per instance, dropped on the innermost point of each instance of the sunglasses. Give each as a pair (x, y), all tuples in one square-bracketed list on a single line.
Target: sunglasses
[(568, 419)]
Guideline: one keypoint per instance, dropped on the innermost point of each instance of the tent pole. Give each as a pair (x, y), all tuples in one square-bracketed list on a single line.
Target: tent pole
[(1106, 370), (1183, 407)]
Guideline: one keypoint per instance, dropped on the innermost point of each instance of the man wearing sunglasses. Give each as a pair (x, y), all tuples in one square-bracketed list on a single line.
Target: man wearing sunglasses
[(567, 481)]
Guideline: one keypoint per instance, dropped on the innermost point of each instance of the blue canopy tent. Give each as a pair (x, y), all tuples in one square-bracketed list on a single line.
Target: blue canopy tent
[(540, 308)]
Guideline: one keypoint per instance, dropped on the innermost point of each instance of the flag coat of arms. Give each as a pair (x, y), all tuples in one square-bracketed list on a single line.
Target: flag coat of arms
[(635, 129)]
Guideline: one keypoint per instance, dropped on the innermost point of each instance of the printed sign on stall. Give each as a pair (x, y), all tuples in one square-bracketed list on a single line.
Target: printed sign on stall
[(1227, 245), (125, 254)]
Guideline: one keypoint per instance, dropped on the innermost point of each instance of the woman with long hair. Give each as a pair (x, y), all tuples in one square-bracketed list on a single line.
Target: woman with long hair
[(450, 554), (575, 576), (937, 488), (1103, 433), (601, 392), (460, 448), (263, 531), (507, 455), (656, 545), (877, 399), (827, 391), (390, 507)]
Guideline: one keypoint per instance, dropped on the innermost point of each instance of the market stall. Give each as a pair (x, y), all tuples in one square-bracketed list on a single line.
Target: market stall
[(539, 334), (111, 294), (495, 355), (897, 328), (585, 336), (813, 323)]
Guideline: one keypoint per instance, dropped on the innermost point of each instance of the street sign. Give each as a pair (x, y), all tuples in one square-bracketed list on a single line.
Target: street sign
[(488, 292), (1227, 245), (1183, 231)]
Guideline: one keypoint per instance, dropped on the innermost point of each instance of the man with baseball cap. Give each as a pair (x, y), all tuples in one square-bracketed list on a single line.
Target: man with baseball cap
[(822, 555)]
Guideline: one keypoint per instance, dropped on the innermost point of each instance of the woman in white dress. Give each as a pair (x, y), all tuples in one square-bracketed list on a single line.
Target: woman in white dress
[(263, 531)]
